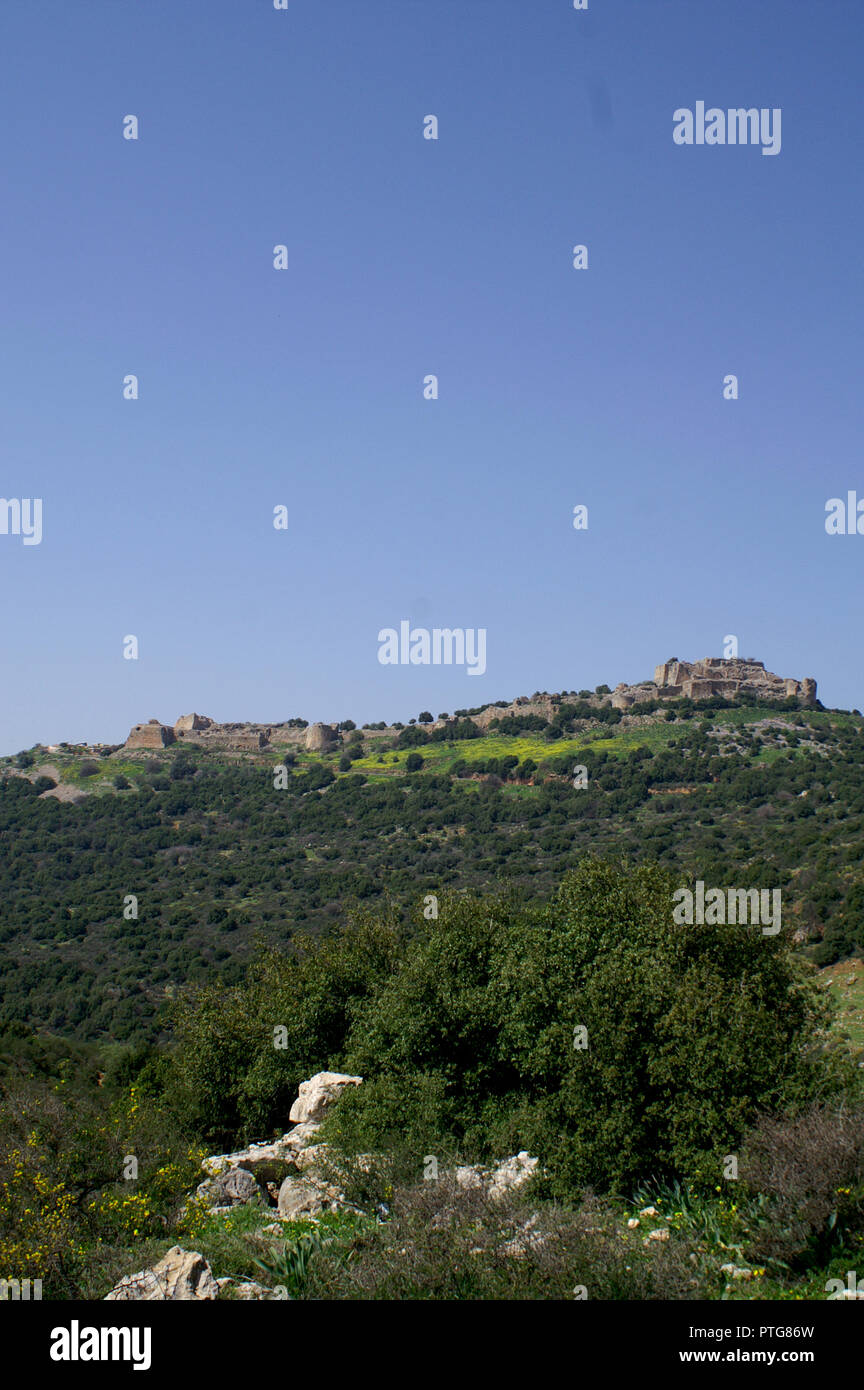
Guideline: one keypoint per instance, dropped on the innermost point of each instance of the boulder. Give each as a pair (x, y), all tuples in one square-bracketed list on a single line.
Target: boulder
[(233, 1187), (511, 1174), (269, 1161), (180, 1275), (314, 1156), (301, 1135), (298, 1197), (501, 1180), (318, 1094), (244, 1290)]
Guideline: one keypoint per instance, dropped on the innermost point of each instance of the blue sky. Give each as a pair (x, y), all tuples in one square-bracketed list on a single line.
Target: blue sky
[(303, 387)]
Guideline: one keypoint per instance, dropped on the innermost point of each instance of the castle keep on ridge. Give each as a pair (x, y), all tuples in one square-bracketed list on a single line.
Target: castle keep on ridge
[(713, 675)]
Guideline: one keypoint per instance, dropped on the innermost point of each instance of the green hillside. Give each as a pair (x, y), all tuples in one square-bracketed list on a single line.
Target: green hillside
[(219, 858)]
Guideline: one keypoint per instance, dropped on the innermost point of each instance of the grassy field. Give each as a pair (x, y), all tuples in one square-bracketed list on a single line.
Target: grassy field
[(655, 736), (846, 982)]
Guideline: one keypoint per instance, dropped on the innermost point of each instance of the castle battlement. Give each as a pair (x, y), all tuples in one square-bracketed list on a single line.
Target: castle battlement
[(714, 675)]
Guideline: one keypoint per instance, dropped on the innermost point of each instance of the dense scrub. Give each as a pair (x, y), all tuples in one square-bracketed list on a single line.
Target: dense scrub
[(216, 857), (589, 1030), (632, 1056)]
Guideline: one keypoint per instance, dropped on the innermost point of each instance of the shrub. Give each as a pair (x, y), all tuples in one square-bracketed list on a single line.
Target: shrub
[(465, 1032), (488, 1004), (441, 1241), (811, 1169)]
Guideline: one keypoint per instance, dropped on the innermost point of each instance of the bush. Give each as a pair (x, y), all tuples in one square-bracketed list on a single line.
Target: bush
[(443, 1242), (64, 1197), (488, 1004), (226, 1080), (465, 1032), (811, 1169)]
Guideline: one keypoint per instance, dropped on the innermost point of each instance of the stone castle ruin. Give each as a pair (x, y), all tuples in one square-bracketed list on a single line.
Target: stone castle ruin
[(673, 680), (150, 735), (198, 731), (713, 675)]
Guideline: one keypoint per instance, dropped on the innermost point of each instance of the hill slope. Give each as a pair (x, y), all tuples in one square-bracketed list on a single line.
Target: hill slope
[(212, 851)]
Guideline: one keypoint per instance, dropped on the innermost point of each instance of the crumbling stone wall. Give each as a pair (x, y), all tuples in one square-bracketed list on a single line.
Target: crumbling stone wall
[(150, 735)]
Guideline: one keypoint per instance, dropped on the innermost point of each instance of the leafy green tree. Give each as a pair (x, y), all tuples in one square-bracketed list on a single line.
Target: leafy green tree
[(689, 1033)]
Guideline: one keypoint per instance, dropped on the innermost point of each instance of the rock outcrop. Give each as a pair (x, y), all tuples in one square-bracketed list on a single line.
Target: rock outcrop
[(289, 1169), (305, 1198), (318, 1094), (234, 1187), (500, 1181), (185, 1275), (299, 1176), (180, 1275)]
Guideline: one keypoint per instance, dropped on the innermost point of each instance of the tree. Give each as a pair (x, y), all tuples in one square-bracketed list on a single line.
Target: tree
[(424, 717), (477, 1039), (413, 762)]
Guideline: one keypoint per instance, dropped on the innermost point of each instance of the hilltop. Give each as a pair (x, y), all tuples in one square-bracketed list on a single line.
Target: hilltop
[(222, 839), (728, 678)]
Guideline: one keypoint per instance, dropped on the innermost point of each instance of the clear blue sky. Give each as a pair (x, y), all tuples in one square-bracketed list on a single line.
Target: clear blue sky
[(409, 257)]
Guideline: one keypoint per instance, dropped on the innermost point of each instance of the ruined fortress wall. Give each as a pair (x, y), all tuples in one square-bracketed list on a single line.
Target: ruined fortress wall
[(248, 742), (152, 735), (725, 676), (192, 721)]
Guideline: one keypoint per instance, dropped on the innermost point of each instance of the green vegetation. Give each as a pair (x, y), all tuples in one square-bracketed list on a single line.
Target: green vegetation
[(217, 858), (631, 1056), (443, 912)]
